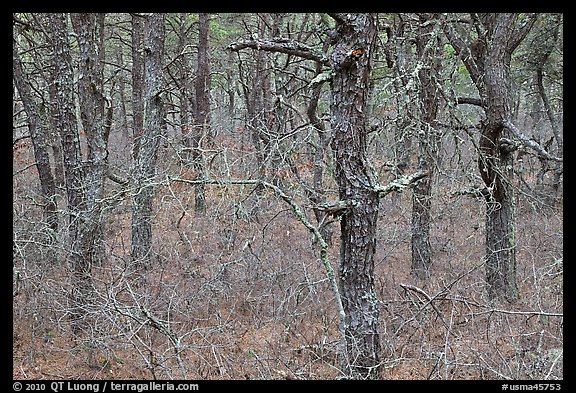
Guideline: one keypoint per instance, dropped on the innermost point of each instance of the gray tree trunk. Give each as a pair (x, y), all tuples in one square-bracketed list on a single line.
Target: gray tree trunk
[(318, 194), (428, 52), (55, 142), (350, 60), (137, 82), (202, 130), (81, 246), (145, 164), (95, 120), (488, 62), (354, 42), (496, 163), (38, 127)]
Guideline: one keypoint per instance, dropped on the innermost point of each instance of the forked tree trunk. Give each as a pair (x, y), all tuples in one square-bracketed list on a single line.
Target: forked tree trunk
[(488, 62), (354, 42)]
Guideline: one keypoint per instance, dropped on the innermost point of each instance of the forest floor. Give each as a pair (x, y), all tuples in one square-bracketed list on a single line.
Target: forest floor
[(249, 299)]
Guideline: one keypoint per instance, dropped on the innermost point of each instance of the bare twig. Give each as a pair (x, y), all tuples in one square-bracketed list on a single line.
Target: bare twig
[(282, 45), (529, 142), (400, 183)]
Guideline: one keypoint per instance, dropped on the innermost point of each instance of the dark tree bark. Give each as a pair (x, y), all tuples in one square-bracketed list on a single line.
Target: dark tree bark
[(137, 82), (354, 42), (202, 129), (350, 61), (428, 52), (496, 166), (95, 120), (81, 246), (55, 142), (185, 97), (122, 94), (488, 62), (145, 165), (38, 127)]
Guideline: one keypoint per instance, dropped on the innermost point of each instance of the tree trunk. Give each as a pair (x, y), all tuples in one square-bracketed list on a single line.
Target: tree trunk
[(354, 42), (145, 165), (89, 30), (137, 82), (80, 250), (38, 128), (350, 62), (123, 98), (496, 166), (427, 49), (55, 142), (202, 130), (488, 62)]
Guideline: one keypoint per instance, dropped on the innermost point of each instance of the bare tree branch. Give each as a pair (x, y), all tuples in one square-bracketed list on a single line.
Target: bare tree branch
[(339, 17), (469, 100), (302, 218), (282, 45), (529, 142), (20, 139), (542, 313), (518, 35), (400, 183), (463, 50), (116, 178)]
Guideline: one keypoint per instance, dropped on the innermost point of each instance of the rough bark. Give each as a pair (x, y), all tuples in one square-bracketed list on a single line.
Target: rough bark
[(202, 124), (354, 42), (80, 248), (137, 82), (95, 120), (427, 50), (496, 164), (145, 165), (350, 61), (488, 61), (38, 128)]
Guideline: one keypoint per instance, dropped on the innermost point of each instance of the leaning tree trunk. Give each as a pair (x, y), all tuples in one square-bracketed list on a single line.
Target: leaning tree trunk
[(38, 130), (145, 165), (350, 63), (427, 49), (80, 250)]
